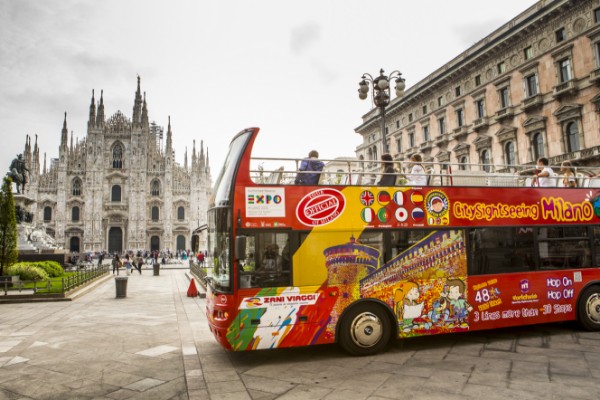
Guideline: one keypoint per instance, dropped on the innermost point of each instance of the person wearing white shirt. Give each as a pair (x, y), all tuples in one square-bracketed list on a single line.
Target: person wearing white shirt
[(545, 174), (417, 176)]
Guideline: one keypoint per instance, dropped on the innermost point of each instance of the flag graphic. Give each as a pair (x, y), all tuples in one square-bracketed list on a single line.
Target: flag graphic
[(383, 215), (383, 198), (418, 214), (401, 214), (251, 199), (416, 197), (367, 215), (399, 198), (367, 198)]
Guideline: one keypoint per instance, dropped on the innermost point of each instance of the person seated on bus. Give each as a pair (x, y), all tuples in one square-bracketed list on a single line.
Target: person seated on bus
[(271, 260), (388, 177), (418, 175), (310, 170), (544, 174), (568, 173)]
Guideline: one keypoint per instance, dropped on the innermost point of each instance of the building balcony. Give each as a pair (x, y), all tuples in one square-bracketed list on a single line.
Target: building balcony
[(504, 113), (595, 76), (565, 89), (442, 139), (533, 102), (481, 123), (460, 133), (425, 146), (115, 206)]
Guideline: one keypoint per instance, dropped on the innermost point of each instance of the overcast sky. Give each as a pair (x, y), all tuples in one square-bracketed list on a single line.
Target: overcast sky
[(289, 67)]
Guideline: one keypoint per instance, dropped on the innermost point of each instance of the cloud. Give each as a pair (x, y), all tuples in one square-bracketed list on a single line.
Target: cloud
[(302, 37)]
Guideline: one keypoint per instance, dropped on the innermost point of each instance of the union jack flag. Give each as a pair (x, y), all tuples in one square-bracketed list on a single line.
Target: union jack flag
[(367, 198)]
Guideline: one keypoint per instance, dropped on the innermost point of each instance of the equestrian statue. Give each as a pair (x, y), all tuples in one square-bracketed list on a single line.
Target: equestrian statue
[(18, 172)]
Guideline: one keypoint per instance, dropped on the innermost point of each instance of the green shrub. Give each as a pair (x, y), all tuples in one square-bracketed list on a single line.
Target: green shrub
[(27, 272), (53, 268)]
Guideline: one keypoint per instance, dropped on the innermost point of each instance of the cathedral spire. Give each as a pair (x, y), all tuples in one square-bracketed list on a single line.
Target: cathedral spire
[(137, 106), (201, 159), (169, 137), (145, 112), (92, 118), (44, 170), (71, 146), (100, 117), (64, 133), (194, 155), (185, 164)]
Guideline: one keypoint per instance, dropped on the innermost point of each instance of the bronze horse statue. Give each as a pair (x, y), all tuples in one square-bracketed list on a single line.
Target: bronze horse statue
[(18, 173)]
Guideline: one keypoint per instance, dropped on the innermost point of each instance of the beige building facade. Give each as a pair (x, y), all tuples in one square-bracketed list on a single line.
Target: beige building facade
[(530, 89)]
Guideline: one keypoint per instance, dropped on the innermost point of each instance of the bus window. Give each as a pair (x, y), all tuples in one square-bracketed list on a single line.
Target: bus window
[(268, 261), (402, 240), (501, 250), (374, 239), (562, 247)]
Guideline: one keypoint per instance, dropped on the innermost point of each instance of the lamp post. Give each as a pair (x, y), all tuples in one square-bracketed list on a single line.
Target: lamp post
[(381, 94)]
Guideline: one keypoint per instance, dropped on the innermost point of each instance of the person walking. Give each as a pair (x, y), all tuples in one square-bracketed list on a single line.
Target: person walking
[(116, 264)]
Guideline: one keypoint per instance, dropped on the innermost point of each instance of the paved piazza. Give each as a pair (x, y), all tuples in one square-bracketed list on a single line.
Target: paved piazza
[(155, 344)]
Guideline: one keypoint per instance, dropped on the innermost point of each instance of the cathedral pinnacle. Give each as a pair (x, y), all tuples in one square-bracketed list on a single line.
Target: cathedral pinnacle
[(92, 118), (64, 133), (100, 118), (169, 136)]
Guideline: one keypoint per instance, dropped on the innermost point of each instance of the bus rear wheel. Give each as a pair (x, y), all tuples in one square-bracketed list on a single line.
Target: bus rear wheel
[(365, 330), (589, 308)]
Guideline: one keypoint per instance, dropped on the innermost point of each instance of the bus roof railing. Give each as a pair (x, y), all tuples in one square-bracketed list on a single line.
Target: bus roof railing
[(348, 171)]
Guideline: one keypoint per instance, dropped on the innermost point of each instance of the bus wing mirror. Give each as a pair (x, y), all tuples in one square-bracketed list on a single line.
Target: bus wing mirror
[(240, 247)]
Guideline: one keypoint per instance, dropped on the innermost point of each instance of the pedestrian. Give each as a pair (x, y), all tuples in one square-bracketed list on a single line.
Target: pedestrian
[(388, 177), (310, 170), (116, 264), (140, 262), (201, 259), (127, 265), (100, 259)]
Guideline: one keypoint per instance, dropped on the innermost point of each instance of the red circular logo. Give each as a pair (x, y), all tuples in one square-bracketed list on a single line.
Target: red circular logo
[(320, 207)]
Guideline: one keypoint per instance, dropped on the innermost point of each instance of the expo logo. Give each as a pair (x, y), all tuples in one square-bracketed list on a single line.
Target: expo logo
[(264, 199), (320, 207)]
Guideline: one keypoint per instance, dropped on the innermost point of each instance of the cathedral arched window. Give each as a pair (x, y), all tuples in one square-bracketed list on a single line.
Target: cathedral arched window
[(154, 213), (76, 187), (75, 214), (115, 193), (180, 213), (117, 157), (155, 188), (47, 213)]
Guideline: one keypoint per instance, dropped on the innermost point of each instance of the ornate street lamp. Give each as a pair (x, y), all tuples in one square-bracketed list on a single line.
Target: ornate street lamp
[(381, 94)]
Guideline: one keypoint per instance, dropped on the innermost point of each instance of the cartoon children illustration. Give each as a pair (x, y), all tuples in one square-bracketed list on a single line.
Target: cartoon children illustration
[(459, 308), (406, 306)]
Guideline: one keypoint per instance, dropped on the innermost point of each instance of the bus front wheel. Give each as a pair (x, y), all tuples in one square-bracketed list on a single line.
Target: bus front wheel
[(365, 330), (589, 308)]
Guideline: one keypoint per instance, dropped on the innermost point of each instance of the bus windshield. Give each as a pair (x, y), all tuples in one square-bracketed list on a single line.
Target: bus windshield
[(220, 216)]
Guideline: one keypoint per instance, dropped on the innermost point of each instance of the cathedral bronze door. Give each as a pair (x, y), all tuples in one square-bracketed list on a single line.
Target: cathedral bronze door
[(115, 240), (74, 245), (154, 243)]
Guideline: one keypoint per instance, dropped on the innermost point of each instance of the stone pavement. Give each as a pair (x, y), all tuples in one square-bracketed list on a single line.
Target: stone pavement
[(155, 344)]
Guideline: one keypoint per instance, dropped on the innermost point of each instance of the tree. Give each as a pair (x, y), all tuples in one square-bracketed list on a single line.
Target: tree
[(8, 226)]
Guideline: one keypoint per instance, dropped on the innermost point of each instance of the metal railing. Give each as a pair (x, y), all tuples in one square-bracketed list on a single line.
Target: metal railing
[(39, 286)]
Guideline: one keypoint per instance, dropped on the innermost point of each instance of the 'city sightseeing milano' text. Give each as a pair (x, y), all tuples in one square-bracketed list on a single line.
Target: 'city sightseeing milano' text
[(552, 208)]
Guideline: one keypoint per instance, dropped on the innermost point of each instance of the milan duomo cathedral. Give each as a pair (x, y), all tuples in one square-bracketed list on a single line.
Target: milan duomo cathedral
[(119, 188)]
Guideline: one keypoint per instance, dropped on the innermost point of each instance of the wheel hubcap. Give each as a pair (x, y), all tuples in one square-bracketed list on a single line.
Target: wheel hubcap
[(366, 329), (593, 308)]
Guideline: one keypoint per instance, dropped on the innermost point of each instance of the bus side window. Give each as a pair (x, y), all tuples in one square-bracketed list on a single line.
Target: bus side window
[(268, 261), (501, 250), (564, 247)]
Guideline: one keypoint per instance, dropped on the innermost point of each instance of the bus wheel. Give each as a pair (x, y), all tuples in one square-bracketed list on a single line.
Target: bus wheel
[(589, 308), (365, 330)]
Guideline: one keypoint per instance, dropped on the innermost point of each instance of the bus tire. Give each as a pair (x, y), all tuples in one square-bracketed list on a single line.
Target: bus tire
[(589, 308), (365, 329)]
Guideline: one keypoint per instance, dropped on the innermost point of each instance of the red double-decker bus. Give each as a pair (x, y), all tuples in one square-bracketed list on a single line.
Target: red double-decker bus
[(350, 262)]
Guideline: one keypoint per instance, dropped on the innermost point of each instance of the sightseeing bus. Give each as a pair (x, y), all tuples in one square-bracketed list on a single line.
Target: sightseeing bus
[(346, 261)]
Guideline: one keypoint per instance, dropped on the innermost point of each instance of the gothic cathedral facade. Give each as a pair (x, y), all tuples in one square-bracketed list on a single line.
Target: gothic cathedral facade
[(119, 189)]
